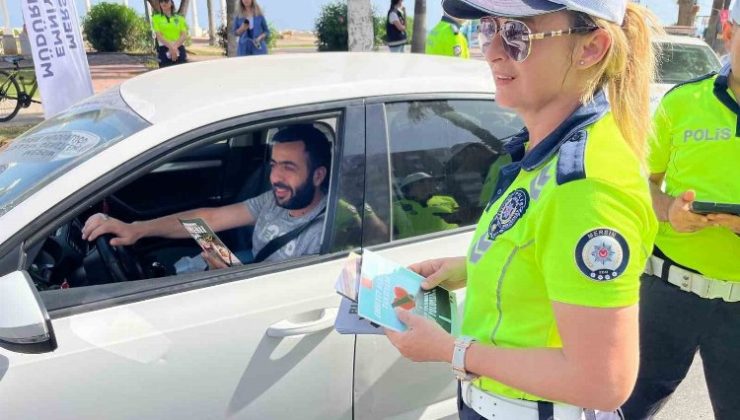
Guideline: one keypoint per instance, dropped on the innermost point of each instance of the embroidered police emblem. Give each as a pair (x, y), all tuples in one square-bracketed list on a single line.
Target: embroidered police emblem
[(602, 254), (457, 50), (511, 210)]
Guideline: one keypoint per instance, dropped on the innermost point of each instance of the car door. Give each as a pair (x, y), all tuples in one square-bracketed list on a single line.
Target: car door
[(457, 141), (246, 342)]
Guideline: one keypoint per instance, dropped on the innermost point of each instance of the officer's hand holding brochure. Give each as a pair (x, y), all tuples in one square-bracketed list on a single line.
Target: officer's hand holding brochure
[(208, 241), (373, 287)]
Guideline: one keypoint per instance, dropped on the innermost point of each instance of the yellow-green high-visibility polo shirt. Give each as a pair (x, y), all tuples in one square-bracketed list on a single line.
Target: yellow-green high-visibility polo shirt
[(446, 39), (411, 218), (696, 143), (170, 27), (566, 223)]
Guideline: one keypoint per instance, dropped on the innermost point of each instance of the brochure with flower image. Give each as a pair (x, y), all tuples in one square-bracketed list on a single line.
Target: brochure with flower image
[(380, 286), (208, 241)]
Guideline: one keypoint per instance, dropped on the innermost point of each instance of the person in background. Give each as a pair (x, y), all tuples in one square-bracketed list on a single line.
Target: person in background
[(422, 209), (395, 27), (690, 293), (550, 328), (171, 31), (446, 38), (251, 27)]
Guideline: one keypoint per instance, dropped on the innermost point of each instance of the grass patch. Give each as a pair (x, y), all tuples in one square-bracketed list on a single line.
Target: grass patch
[(9, 133), (205, 50)]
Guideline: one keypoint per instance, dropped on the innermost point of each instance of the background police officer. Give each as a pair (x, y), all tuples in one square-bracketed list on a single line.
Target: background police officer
[(422, 209), (691, 299), (395, 27), (447, 39)]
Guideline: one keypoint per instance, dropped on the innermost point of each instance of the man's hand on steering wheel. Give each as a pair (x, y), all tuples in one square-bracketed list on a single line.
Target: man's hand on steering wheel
[(100, 224)]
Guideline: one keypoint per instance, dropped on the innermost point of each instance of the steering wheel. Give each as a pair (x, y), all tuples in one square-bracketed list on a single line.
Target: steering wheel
[(119, 260)]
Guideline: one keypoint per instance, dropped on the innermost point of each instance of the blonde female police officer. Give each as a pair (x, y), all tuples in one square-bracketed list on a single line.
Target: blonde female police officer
[(690, 300), (552, 273)]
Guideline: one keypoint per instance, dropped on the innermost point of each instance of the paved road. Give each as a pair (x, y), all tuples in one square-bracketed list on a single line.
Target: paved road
[(691, 400)]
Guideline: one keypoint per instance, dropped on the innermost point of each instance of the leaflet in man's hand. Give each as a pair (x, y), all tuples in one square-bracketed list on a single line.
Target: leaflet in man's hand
[(208, 241), (383, 285)]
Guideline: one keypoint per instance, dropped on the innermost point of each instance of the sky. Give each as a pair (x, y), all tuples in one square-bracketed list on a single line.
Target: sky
[(300, 14)]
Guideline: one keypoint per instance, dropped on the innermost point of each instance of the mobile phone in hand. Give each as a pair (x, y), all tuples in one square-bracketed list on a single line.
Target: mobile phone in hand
[(708, 207)]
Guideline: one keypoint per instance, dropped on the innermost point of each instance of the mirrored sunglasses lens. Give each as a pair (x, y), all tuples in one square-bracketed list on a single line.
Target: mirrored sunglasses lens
[(486, 31), (513, 34)]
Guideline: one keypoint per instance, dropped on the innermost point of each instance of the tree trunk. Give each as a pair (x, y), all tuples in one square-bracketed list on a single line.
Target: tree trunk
[(684, 12), (154, 5), (184, 5), (713, 27), (152, 37), (146, 13), (230, 37), (419, 41), (211, 24), (360, 25)]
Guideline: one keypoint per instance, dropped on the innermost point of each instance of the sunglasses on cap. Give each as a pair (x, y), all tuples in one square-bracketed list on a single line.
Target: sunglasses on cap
[(517, 37)]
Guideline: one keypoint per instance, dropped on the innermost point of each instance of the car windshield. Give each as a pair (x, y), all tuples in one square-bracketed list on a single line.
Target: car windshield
[(61, 143), (681, 62)]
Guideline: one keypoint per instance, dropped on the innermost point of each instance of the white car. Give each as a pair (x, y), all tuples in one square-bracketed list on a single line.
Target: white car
[(88, 331), (681, 58)]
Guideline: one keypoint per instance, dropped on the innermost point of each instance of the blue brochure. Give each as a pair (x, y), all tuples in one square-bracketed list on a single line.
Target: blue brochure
[(385, 285)]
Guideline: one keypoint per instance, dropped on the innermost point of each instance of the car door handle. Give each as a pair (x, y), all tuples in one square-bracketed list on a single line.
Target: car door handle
[(288, 328)]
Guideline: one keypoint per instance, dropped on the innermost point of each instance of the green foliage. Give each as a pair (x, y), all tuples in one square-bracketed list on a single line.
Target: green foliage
[(274, 36), (331, 27), (111, 27), (410, 27), (379, 28), (223, 39)]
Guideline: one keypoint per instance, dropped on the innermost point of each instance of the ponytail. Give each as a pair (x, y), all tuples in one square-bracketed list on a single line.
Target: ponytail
[(626, 71)]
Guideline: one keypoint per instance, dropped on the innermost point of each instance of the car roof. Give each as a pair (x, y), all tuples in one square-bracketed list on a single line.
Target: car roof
[(239, 86), (680, 39)]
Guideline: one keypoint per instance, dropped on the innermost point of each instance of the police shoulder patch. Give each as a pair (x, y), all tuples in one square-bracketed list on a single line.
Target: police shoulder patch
[(457, 50), (602, 254), (512, 209)]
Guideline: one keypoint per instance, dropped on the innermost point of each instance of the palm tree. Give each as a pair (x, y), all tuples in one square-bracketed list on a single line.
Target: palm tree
[(359, 25), (418, 43), (211, 25), (685, 15), (230, 37)]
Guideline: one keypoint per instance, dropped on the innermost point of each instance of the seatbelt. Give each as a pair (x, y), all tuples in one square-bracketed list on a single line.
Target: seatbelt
[(280, 241)]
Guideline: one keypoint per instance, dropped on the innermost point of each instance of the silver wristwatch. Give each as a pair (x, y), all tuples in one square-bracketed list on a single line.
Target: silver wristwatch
[(458, 359)]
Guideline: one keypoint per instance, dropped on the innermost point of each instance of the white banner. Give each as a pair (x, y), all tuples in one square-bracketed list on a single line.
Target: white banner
[(58, 53)]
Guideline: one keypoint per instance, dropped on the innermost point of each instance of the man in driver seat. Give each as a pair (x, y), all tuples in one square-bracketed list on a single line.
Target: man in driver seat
[(299, 174)]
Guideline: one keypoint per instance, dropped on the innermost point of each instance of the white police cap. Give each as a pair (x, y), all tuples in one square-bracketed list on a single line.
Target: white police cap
[(611, 10)]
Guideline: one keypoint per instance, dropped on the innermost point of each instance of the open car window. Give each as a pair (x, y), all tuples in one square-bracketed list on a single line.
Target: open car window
[(221, 171)]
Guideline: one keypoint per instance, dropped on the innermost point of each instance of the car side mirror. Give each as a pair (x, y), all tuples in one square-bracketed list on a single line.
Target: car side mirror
[(25, 326)]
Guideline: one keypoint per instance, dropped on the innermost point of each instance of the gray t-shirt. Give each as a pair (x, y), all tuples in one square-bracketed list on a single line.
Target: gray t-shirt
[(274, 221)]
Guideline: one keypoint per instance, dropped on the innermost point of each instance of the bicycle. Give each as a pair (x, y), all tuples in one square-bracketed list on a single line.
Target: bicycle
[(13, 89)]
